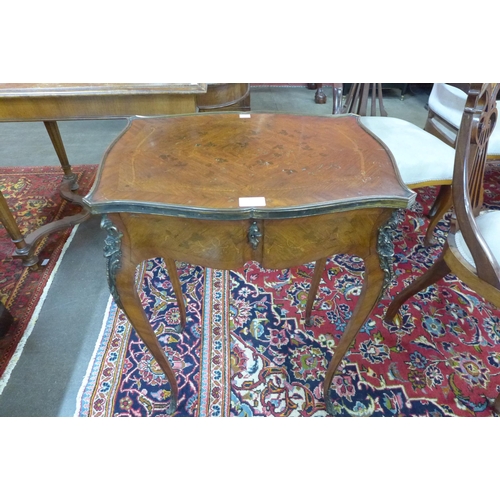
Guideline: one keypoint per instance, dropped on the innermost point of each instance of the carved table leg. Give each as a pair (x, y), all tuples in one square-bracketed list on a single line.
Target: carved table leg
[(174, 279), (370, 295), (319, 267), (378, 275), (121, 280), (55, 137)]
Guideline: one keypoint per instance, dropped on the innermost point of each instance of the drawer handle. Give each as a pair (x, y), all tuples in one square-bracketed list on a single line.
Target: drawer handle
[(254, 234)]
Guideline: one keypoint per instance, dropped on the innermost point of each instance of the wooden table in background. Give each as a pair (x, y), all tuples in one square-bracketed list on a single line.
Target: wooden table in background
[(52, 102), (219, 190)]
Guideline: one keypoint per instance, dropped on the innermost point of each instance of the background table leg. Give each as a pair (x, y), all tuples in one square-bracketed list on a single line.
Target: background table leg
[(23, 250), (55, 137)]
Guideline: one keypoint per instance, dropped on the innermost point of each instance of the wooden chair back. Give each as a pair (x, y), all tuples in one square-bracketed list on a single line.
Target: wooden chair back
[(441, 126), (478, 122), (357, 99)]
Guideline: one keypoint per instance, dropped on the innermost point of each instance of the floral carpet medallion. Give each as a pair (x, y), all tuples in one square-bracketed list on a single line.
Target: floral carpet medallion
[(246, 350)]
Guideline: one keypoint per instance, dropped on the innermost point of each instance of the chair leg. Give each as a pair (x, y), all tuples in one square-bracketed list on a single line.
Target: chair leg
[(437, 271), (441, 205)]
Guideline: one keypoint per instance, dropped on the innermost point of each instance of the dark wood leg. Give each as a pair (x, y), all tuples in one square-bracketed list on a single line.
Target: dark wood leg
[(55, 137), (174, 279), (370, 295), (441, 205), (318, 272), (437, 271), (34, 237), (121, 279), (26, 245), (70, 183), (319, 267)]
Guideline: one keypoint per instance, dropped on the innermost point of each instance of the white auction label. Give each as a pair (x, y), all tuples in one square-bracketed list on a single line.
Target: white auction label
[(256, 201)]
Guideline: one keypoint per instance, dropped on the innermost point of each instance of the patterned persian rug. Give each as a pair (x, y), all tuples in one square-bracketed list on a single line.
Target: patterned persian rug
[(32, 193), (246, 351)]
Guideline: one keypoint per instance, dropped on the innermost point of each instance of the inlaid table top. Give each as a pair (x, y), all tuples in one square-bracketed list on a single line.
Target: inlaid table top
[(233, 166)]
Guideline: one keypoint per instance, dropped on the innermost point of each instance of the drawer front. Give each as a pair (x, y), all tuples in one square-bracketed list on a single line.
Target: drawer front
[(215, 244), (292, 242), (274, 243)]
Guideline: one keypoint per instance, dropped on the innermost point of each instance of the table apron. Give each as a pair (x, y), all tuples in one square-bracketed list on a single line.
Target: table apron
[(94, 106), (282, 243)]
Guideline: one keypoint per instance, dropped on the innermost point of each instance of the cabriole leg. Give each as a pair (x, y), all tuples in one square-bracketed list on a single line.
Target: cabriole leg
[(370, 295), (378, 276), (121, 280), (319, 267)]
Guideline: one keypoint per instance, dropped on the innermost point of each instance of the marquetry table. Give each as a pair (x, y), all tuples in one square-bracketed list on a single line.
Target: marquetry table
[(219, 190), (53, 102)]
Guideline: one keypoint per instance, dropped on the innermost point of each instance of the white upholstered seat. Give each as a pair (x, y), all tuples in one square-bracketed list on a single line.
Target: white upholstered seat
[(448, 102), (422, 159), (488, 224)]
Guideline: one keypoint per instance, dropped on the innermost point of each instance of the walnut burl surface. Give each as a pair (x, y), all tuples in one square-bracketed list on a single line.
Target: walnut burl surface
[(222, 189), (205, 164)]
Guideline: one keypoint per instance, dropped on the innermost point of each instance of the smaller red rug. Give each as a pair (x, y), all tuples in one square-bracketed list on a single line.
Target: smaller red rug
[(32, 194)]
